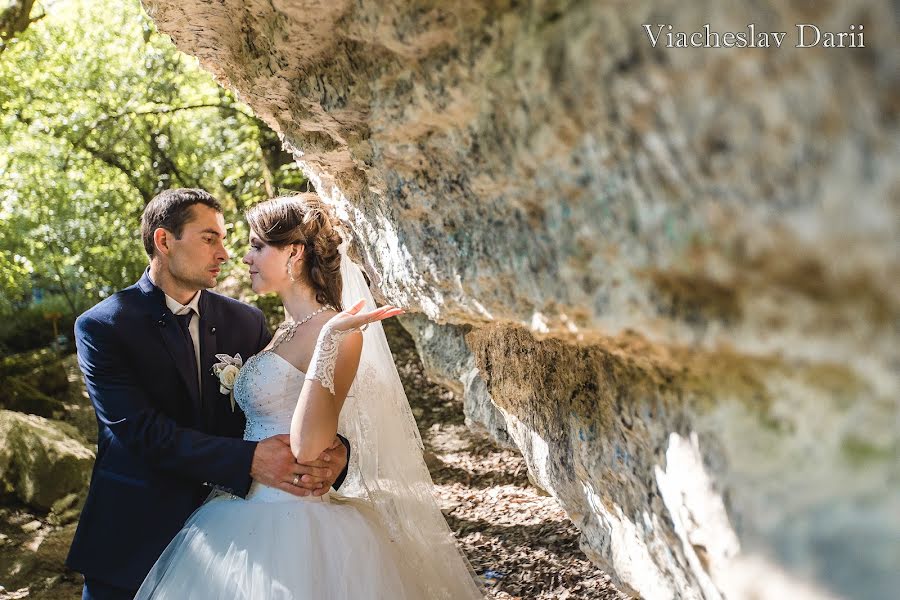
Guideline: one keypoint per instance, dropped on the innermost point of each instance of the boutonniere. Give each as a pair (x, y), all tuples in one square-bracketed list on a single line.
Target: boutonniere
[(227, 371)]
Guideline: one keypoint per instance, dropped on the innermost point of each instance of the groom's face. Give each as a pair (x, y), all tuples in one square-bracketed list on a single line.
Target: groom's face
[(195, 258)]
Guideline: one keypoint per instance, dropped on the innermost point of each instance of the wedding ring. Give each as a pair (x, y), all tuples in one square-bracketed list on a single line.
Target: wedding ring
[(296, 480)]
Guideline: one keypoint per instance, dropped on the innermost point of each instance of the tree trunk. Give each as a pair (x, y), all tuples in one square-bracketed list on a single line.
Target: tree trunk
[(14, 19)]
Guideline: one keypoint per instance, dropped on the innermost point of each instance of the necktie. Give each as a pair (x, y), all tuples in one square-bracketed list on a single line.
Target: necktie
[(184, 322)]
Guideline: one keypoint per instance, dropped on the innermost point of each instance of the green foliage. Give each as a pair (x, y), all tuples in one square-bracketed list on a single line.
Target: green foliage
[(98, 113), (32, 326)]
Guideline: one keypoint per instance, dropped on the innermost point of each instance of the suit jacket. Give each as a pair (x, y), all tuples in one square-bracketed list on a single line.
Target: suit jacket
[(161, 446)]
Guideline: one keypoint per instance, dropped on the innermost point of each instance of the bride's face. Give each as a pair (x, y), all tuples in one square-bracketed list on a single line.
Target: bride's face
[(268, 266)]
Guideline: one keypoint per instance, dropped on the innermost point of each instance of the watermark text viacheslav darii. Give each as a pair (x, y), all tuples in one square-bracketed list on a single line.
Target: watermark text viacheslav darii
[(805, 35)]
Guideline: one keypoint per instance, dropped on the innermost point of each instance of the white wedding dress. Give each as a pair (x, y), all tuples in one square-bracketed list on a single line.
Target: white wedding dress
[(274, 545)]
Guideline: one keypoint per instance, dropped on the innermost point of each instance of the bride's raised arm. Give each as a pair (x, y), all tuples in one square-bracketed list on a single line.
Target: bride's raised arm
[(329, 377), (315, 419)]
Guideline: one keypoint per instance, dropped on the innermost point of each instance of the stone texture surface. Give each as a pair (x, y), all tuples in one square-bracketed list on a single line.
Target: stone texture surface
[(34, 383), (671, 277), (41, 461)]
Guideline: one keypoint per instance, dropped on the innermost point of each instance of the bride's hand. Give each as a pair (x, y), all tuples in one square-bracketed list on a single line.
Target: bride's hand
[(352, 318)]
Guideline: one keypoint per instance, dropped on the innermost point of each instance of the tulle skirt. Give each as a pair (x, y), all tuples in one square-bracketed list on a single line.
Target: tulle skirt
[(276, 546)]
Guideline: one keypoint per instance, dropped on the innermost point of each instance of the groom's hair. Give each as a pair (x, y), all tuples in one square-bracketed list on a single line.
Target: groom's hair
[(170, 210)]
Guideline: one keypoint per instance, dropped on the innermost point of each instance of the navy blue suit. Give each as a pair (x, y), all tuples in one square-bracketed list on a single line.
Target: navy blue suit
[(161, 446)]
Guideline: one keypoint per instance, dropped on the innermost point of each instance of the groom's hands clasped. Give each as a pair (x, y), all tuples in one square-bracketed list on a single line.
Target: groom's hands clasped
[(274, 465), (333, 459)]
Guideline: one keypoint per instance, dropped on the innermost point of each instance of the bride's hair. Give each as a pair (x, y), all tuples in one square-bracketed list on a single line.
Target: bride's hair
[(304, 219)]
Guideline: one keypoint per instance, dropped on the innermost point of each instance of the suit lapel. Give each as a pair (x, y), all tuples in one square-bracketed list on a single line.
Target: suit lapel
[(164, 322)]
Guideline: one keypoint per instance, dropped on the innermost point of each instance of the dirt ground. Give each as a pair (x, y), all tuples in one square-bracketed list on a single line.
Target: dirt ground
[(518, 540)]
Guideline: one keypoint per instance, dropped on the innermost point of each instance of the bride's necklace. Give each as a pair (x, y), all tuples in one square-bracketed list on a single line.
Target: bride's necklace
[(290, 327)]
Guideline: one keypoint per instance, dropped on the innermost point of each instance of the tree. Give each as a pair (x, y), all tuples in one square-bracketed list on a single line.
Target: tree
[(100, 113), (14, 19)]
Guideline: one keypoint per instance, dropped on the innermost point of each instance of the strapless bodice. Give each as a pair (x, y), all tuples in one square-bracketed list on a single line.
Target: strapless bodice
[(267, 390)]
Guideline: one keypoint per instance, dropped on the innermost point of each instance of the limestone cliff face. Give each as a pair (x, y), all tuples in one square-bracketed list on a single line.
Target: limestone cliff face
[(670, 276)]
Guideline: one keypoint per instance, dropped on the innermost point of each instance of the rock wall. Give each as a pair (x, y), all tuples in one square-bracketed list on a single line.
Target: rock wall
[(670, 276)]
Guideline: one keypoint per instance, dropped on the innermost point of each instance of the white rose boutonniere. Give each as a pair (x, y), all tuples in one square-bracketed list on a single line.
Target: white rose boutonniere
[(227, 371)]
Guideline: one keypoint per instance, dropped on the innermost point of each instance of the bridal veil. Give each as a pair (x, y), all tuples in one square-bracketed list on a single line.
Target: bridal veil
[(387, 470)]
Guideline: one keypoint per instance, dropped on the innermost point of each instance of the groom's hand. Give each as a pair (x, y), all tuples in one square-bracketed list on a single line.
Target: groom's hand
[(274, 465), (335, 459)]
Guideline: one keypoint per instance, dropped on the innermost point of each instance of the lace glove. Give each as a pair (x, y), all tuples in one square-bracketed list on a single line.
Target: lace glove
[(324, 358)]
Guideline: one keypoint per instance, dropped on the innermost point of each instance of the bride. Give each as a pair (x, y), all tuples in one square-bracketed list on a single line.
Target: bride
[(326, 370)]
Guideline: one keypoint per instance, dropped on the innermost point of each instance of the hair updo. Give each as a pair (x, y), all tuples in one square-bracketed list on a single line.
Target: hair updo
[(304, 219)]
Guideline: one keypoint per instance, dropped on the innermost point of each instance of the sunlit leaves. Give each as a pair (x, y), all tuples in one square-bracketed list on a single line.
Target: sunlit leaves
[(98, 113)]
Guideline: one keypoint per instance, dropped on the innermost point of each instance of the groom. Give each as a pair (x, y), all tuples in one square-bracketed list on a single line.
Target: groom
[(167, 436)]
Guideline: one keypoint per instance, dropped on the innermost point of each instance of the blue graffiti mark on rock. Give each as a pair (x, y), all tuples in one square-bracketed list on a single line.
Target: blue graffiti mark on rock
[(622, 457), (588, 434)]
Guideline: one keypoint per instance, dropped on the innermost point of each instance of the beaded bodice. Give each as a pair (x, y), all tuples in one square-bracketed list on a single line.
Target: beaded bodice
[(267, 389)]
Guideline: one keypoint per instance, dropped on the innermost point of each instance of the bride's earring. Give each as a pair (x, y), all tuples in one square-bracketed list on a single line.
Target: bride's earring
[(291, 264), (290, 270)]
